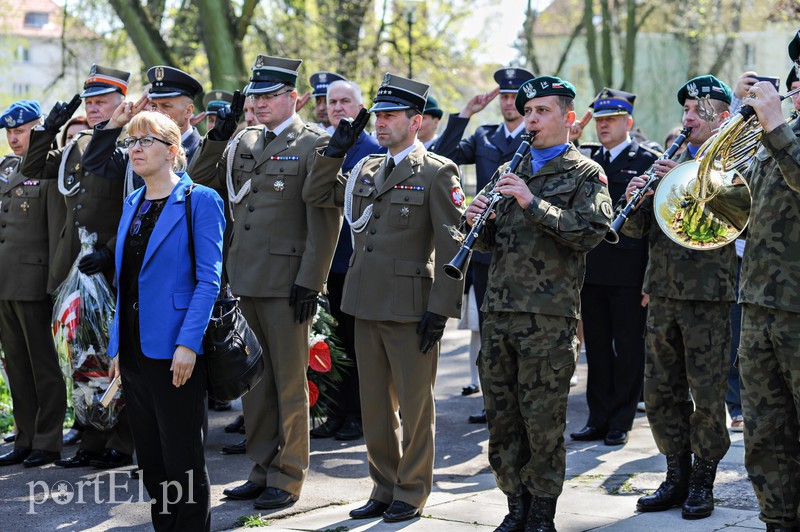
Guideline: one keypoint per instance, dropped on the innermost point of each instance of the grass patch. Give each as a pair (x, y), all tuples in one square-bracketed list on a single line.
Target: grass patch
[(253, 521), (625, 487), (6, 416)]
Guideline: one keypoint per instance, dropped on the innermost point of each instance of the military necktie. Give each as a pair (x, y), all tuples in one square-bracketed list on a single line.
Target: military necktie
[(270, 136), (606, 158), (380, 179), (509, 139)]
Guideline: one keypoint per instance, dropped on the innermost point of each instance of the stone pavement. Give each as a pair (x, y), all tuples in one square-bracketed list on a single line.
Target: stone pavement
[(602, 485)]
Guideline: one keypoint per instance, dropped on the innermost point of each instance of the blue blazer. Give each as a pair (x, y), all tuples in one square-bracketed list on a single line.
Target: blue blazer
[(174, 306)]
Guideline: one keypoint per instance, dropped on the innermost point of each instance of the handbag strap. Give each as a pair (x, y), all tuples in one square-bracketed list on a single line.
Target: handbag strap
[(188, 200)]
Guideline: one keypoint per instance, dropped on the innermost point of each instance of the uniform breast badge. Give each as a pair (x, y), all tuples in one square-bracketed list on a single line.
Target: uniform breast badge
[(405, 211), (20, 192), (24, 206), (70, 179), (279, 185)]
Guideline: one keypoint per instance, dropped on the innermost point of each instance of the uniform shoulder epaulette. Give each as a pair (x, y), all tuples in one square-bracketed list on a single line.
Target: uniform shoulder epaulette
[(439, 158), (656, 153), (314, 128), (375, 155), (589, 148)]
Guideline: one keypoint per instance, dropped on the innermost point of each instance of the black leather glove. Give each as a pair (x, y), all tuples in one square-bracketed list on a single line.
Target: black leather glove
[(96, 262), (304, 301), (60, 114), (228, 118), (346, 134), (431, 328)]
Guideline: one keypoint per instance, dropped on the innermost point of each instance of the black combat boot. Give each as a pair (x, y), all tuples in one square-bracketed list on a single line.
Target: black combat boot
[(673, 491), (541, 514), (700, 502), (517, 512)]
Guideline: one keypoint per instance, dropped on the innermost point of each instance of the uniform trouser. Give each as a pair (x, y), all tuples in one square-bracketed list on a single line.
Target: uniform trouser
[(276, 409), (733, 398), (345, 398), (394, 373), (770, 377), (687, 346), (167, 424), (526, 362), (613, 329), (118, 437), (37, 386)]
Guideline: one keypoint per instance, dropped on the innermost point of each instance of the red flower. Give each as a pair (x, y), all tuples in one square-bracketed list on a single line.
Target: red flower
[(313, 394), (320, 357)]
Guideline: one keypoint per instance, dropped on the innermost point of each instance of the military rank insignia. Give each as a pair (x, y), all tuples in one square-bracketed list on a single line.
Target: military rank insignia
[(457, 196), (6, 172)]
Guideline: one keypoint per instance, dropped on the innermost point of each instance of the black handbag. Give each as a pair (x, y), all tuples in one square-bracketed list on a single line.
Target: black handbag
[(234, 357)]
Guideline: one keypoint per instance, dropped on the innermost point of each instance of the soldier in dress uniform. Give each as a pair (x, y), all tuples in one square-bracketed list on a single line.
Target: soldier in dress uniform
[(398, 206), (489, 147), (93, 202), (431, 116), (279, 256), (613, 309), (30, 211), (556, 209), (319, 82), (768, 362), (213, 102), (688, 334)]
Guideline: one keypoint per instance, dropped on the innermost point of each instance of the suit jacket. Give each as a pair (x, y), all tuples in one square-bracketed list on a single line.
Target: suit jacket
[(191, 144), (31, 210), (175, 302), (395, 272), (278, 240)]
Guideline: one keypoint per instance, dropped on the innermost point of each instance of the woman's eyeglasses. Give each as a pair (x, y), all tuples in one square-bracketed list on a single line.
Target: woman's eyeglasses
[(136, 226), (144, 142)]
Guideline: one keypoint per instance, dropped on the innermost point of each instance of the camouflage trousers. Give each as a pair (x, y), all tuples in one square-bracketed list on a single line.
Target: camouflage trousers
[(687, 346), (525, 364), (769, 368)]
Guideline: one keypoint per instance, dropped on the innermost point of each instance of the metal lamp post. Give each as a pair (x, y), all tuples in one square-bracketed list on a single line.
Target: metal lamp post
[(409, 8)]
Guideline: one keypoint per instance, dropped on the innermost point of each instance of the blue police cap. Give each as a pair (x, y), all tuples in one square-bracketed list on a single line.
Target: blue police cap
[(169, 82), (510, 79), (612, 102), (319, 82), (19, 113)]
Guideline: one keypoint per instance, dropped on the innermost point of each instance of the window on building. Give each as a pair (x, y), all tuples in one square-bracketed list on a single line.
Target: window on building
[(36, 19), (749, 56), (23, 54), (21, 89)]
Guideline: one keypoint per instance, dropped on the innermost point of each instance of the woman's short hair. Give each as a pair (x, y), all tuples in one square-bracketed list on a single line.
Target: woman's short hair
[(160, 124), (75, 121)]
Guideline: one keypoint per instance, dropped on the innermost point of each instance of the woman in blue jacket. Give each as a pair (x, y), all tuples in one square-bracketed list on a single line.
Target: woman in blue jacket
[(163, 308)]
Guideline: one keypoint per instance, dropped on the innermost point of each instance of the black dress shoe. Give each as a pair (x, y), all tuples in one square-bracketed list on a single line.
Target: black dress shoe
[(372, 509), (110, 459), (72, 437), (351, 430), (39, 457), (616, 437), (17, 456), (82, 458), (328, 429), (478, 418), (218, 406), (248, 490), (469, 390), (400, 511), (274, 499), (9, 438), (236, 448), (236, 426), (588, 433)]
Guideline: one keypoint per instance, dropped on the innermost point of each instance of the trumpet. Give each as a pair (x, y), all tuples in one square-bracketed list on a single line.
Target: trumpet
[(455, 268), (612, 236)]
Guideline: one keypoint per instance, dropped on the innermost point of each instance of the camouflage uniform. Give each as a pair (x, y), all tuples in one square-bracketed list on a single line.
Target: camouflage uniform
[(687, 339), (768, 361), (532, 305)]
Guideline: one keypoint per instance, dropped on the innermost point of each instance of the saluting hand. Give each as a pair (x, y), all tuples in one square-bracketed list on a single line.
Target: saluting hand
[(476, 209), (302, 101), (182, 365), (478, 103), (513, 185), (127, 110)]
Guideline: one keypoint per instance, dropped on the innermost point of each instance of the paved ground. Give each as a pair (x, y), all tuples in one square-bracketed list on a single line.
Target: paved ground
[(602, 486)]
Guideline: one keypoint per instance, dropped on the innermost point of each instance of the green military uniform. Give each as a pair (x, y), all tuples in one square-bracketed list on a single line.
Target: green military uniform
[(768, 361), (30, 209), (91, 201), (687, 339), (532, 306), (277, 241)]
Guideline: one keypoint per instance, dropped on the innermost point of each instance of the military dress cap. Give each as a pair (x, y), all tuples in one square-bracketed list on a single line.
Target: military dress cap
[(703, 86), (104, 80), (19, 113), (792, 77), (540, 87), (794, 47), (216, 100), (432, 108), (319, 82), (272, 73), (510, 79), (169, 82), (397, 93), (612, 102)]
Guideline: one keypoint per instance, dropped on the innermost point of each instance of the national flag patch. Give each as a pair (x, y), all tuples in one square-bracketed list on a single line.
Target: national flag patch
[(457, 195)]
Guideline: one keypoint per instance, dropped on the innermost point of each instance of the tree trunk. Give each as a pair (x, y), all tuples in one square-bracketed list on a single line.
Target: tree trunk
[(143, 31), (607, 52), (348, 22), (591, 45), (222, 45)]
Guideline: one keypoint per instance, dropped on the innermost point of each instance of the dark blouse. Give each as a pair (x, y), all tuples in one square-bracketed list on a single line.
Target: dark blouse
[(135, 246)]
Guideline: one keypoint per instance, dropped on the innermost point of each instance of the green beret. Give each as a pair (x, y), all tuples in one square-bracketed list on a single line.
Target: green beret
[(540, 87), (703, 86)]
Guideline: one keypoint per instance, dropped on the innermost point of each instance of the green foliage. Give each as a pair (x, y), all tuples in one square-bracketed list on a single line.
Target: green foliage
[(6, 415), (253, 521)]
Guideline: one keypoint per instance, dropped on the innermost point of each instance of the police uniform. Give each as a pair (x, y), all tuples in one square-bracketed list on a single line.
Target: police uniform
[(320, 81), (29, 210), (768, 363), (613, 317), (91, 201), (399, 219), (529, 341), (278, 241), (687, 343)]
